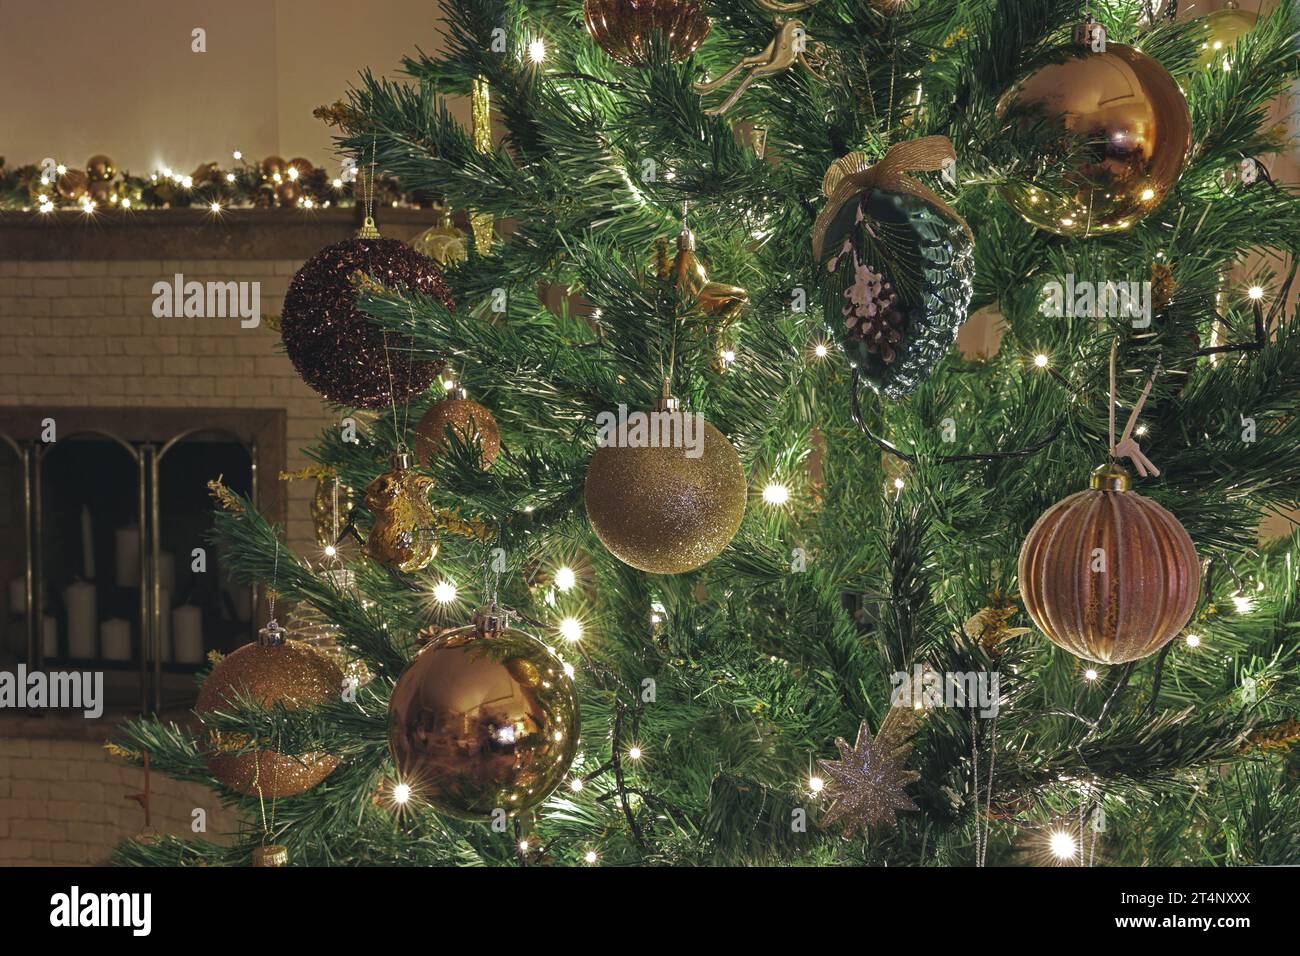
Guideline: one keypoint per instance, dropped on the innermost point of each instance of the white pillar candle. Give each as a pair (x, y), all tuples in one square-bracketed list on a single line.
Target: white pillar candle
[(87, 545), (187, 634), (83, 623), (115, 639), (50, 636), (127, 551)]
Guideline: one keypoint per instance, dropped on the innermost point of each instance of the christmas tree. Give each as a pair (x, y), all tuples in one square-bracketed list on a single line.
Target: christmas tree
[(666, 523)]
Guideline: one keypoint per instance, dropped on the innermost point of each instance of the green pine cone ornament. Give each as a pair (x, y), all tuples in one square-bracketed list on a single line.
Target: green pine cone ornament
[(898, 276)]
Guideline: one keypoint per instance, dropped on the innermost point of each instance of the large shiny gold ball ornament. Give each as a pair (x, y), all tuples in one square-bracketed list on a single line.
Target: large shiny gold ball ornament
[(1108, 574), (622, 28), (484, 718), (1220, 31), (443, 244), (100, 168), (1116, 131), (661, 510), (289, 674), (464, 418)]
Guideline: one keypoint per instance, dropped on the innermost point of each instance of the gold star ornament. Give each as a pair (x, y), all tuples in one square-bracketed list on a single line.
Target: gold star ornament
[(866, 784)]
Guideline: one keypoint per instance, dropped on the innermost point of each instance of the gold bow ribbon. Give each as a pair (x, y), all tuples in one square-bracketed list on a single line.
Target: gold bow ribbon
[(851, 175)]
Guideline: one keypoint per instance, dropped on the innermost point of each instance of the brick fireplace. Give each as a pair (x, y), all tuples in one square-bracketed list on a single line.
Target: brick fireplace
[(79, 341)]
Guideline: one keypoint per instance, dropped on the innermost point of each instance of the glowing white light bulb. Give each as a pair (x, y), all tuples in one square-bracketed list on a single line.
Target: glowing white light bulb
[(126, 204), (565, 578), (728, 356), (1148, 195), (61, 169), (576, 784), (401, 793), (330, 550), (590, 856), (230, 177), (337, 183), (523, 846), (1062, 845), (1140, 430), (1243, 603), (537, 51), (820, 351), (776, 493), (1041, 360), (634, 753), (293, 172), (1255, 292), (568, 670), (1090, 674), (237, 154), (1193, 640), (815, 784), (571, 629), (898, 484), (215, 207), (444, 592)]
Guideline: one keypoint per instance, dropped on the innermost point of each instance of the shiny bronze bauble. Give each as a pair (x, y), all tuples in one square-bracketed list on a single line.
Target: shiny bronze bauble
[(465, 419), (302, 166), (336, 348), (1107, 574), (100, 168), (1220, 30), (667, 509), (623, 28), (71, 184), (290, 675), (101, 191), (1115, 130), (288, 193), (485, 718), (271, 166)]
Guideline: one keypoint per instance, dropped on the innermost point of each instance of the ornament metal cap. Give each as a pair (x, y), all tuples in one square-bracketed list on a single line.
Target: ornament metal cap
[(1111, 476), (401, 460), (492, 620), (272, 635), (368, 229), (274, 855), (1091, 34), (667, 403)]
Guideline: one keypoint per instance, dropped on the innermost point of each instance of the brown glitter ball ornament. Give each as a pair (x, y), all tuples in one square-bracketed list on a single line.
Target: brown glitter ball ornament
[(71, 185), (100, 168), (1108, 574), (402, 536), (270, 672), (463, 417), (623, 28), (660, 510), (484, 718), (336, 348), (1118, 129)]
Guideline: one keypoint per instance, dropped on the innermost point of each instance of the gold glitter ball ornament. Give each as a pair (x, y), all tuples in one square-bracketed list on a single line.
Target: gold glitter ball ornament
[(660, 509), (402, 534), (465, 419), (484, 718), (289, 674), (1115, 129), (623, 28)]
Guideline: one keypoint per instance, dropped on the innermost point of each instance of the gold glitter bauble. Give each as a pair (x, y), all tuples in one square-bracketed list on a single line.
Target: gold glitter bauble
[(484, 718), (291, 675), (402, 535), (1117, 130), (100, 168), (623, 28), (463, 417), (1221, 29), (662, 511), (442, 244)]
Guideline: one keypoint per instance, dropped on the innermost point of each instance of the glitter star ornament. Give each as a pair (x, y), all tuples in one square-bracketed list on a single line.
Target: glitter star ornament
[(866, 783)]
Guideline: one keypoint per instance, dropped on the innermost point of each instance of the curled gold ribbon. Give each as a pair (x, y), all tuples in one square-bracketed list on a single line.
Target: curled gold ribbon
[(853, 174)]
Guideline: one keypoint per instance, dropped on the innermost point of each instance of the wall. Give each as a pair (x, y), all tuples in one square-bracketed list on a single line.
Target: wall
[(121, 79)]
